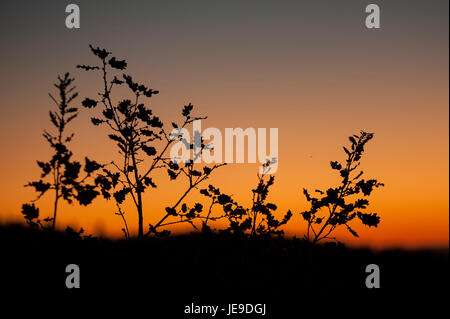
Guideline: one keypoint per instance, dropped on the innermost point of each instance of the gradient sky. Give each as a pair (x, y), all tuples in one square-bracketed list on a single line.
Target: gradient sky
[(309, 68)]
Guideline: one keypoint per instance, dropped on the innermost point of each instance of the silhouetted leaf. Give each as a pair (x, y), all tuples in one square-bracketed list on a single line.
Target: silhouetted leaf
[(40, 186), (30, 211), (171, 211), (187, 109), (119, 196), (46, 168), (53, 119), (71, 171), (198, 207), (155, 122), (173, 166), (149, 182), (96, 121), (336, 165), (369, 219), (129, 81), (149, 150), (117, 64), (223, 199), (89, 103), (86, 194), (117, 138), (172, 174), (196, 173), (352, 231), (91, 166), (101, 53), (115, 80), (71, 109), (124, 106), (108, 113), (87, 67)]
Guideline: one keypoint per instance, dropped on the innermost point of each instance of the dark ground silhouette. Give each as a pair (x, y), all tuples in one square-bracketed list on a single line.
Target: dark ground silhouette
[(160, 276)]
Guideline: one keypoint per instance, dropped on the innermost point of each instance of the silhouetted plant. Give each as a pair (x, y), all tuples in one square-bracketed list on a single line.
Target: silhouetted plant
[(62, 174), (183, 213), (259, 220), (143, 144), (339, 202)]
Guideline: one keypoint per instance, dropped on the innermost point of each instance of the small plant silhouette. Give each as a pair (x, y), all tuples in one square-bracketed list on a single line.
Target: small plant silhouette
[(259, 220), (61, 174), (143, 143), (335, 201)]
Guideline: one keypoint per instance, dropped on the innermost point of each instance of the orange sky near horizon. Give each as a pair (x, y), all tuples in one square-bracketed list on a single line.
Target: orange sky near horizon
[(316, 84)]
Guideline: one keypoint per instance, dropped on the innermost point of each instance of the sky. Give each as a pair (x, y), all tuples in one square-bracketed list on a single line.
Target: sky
[(309, 68)]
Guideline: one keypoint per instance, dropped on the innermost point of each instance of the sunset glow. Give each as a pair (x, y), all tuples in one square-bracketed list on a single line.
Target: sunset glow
[(318, 80)]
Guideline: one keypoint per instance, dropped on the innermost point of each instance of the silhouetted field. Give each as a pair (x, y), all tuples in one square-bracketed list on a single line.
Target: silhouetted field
[(162, 276)]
